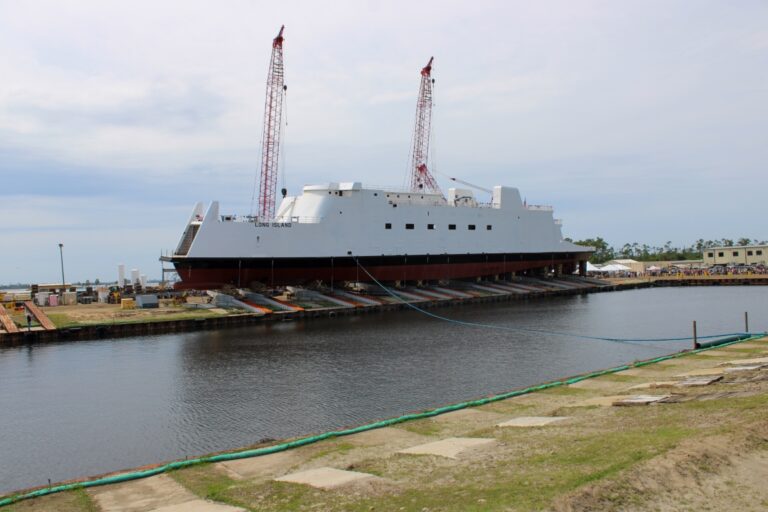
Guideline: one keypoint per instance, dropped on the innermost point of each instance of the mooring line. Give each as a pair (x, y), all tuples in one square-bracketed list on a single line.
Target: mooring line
[(644, 342)]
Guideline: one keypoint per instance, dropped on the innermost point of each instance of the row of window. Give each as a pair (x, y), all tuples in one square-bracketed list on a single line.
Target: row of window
[(451, 227), (735, 253)]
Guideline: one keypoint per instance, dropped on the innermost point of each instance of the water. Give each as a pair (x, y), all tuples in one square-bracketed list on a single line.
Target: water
[(75, 409)]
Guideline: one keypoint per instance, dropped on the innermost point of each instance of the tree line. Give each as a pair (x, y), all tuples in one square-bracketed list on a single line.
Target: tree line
[(635, 251)]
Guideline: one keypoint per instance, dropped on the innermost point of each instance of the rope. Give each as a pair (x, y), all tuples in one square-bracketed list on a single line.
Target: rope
[(632, 341)]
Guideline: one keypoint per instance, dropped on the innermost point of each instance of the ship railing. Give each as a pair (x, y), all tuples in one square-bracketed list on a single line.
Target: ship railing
[(255, 219), (540, 207)]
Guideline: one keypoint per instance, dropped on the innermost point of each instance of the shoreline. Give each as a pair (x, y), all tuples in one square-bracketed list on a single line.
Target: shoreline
[(157, 326), (160, 326), (542, 392)]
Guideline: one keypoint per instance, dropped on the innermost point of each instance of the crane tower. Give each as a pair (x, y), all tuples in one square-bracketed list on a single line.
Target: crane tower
[(270, 145), (421, 179)]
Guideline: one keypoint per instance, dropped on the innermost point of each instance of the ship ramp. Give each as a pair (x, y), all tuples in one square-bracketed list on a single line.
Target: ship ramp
[(271, 303), (41, 317), (452, 293), (303, 293), (506, 288), (228, 301), (362, 299), (6, 321), (489, 289), (431, 293)]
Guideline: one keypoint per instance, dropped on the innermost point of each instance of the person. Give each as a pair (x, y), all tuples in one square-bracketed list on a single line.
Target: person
[(29, 322)]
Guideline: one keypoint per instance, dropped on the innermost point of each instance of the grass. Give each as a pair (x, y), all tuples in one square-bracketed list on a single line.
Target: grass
[(77, 500), (62, 320)]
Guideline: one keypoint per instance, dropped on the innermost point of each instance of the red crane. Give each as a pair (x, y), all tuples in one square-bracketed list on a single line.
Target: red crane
[(421, 179), (270, 145)]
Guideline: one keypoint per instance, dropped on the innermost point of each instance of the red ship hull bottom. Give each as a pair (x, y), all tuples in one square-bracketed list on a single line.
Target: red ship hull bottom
[(204, 273)]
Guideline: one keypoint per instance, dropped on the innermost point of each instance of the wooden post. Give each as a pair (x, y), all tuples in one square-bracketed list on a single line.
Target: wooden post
[(746, 321), (695, 338)]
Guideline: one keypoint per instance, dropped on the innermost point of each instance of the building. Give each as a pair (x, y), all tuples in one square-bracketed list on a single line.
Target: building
[(736, 255)]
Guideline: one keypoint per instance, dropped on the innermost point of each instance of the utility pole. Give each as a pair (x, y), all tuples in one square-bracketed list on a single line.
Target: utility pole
[(61, 256)]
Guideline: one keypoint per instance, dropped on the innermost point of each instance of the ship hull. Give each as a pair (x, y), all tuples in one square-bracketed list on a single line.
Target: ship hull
[(216, 272)]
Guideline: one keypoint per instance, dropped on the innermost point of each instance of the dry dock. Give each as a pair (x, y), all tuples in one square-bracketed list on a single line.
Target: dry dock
[(682, 433)]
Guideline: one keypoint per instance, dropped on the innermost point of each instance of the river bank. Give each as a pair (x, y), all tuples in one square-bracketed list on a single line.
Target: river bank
[(99, 321), (683, 431)]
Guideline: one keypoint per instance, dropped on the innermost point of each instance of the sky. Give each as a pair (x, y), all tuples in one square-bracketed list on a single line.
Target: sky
[(639, 121)]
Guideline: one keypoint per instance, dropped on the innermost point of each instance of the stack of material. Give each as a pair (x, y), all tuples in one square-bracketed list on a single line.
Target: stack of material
[(147, 301), (127, 304)]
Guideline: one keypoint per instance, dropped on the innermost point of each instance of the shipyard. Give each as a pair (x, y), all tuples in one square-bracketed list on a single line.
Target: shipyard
[(497, 257)]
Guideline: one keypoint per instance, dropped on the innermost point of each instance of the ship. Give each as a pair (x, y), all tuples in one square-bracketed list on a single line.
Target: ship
[(337, 233), (342, 232)]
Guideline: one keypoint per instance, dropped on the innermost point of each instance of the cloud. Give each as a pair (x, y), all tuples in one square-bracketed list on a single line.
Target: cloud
[(616, 113)]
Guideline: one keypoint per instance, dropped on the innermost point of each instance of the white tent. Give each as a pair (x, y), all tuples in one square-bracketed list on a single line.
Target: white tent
[(615, 268), (593, 268)]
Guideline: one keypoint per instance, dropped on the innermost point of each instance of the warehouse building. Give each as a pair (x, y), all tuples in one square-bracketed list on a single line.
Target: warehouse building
[(736, 255)]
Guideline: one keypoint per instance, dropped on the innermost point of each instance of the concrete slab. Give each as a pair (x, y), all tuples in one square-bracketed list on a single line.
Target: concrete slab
[(745, 368), (602, 401), (654, 385), (142, 495), (266, 466), (702, 372), (199, 506), (395, 437), (608, 401), (325, 478), (532, 421), (450, 448), (593, 384), (742, 362), (704, 380), (640, 400)]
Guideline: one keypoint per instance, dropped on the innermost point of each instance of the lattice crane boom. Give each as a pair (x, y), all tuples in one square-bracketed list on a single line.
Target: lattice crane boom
[(421, 179), (270, 145)]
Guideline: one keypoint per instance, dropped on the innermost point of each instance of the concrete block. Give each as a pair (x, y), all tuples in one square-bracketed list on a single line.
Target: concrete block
[(654, 385), (532, 421), (142, 495), (640, 400), (450, 448), (702, 372), (325, 478), (742, 362), (704, 380)]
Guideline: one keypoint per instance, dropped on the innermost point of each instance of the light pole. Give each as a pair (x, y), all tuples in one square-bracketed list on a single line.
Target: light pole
[(61, 255)]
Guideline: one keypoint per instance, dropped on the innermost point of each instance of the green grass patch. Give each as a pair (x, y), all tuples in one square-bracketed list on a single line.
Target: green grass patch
[(337, 448), (425, 427)]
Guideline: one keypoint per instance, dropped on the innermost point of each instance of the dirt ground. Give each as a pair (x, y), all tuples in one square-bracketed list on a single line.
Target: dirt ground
[(84, 314)]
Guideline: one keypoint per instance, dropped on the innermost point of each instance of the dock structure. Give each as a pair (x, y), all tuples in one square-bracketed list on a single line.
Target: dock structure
[(41, 317), (7, 322)]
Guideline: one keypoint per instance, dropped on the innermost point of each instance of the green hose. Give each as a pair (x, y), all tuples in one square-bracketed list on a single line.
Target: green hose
[(134, 475)]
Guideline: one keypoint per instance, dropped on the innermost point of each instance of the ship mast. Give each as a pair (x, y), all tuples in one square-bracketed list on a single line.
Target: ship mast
[(270, 145), (421, 179)]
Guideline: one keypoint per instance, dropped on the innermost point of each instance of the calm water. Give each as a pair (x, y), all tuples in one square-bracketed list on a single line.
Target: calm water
[(72, 409)]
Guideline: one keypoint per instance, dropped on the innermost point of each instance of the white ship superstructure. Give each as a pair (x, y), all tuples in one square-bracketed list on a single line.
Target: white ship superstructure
[(327, 231)]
